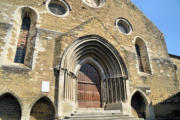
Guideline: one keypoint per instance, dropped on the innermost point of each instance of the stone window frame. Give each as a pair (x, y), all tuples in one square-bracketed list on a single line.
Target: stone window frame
[(29, 53), (147, 59), (64, 4), (126, 23), (90, 4)]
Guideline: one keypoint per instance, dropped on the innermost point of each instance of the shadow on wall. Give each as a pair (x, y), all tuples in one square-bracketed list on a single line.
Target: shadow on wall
[(169, 108)]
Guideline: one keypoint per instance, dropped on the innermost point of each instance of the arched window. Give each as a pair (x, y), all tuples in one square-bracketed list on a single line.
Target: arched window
[(22, 41), (27, 19), (142, 56)]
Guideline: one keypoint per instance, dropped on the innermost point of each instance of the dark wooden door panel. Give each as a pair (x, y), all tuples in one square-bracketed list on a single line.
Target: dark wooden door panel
[(89, 87)]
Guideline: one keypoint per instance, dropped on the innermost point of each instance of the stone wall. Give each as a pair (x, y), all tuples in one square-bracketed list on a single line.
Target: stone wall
[(169, 107), (54, 34), (176, 61)]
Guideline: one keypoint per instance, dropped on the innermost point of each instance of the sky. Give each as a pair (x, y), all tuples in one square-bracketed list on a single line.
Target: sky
[(165, 14)]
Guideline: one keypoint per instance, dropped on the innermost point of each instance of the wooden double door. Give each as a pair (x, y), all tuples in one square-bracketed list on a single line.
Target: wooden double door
[(89, 87)]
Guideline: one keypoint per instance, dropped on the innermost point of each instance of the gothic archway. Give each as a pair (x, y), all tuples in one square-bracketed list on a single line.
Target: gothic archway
[(43, 109), (104, 57), (10, 108), (139, 105)]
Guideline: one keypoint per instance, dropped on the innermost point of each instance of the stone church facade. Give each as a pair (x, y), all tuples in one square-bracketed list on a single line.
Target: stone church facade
[(57, 56)]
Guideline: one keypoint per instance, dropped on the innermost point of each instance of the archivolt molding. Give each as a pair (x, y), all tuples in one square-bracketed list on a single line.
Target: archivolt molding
[(95, 50), (90, 60), (98, 49)]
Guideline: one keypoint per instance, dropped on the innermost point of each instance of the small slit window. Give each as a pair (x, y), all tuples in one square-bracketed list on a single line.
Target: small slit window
[(94, 3), (58, 7), (123, 26)]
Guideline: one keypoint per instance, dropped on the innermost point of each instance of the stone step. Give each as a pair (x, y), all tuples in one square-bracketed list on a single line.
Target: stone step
[(90, 109), (99, 114), (97, 111), (103, 119)]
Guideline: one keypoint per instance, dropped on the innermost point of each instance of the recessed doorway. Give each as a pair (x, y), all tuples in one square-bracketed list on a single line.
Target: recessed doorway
[(89, 87)]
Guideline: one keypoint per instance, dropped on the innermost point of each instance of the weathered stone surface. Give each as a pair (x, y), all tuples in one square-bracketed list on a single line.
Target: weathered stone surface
[(50, 36)]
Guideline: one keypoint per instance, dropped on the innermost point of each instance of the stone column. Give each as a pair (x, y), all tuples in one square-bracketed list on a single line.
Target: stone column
[(25, 115), (60, 92), (127, 104)]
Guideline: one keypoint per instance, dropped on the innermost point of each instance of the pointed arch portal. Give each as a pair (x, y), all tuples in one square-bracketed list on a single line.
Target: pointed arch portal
[(139, 105), (99, 70), (10, 108), (43, 109)]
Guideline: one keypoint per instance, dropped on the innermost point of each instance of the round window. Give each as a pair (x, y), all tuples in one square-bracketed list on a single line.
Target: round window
[(58, 7), (123, 26), (95, 3)]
